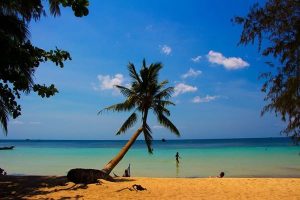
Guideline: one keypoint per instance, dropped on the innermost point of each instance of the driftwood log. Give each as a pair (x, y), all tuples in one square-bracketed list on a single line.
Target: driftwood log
[(87, 176)]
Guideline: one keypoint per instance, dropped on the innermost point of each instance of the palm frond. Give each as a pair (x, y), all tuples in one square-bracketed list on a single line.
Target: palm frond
[(144, 72), (125, 91), (132, 73), (166, 93), (3, 116), (160, 109), (125, 106), (163, 120), (128, 123), (54, 7), (26, 75), (166, 112), (148, 138), (12, 26), (144, 64), (28, 9), (162, 84), (154, 72), (163, 103)]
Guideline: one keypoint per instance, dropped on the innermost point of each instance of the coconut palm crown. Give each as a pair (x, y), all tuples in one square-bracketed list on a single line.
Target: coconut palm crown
[(146, 93)]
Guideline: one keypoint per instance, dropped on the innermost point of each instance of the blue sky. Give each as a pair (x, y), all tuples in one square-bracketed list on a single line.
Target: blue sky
[(217, 90)]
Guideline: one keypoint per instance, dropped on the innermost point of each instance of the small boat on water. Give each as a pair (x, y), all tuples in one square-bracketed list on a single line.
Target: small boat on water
[(7, 148)]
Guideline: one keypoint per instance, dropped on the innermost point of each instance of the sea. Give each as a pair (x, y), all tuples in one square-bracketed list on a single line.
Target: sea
[(255, 157)]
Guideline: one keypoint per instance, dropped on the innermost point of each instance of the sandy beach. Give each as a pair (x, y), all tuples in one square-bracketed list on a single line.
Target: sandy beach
[(51, 187)]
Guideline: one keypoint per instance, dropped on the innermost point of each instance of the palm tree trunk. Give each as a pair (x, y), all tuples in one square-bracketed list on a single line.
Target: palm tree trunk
[(111, 164)]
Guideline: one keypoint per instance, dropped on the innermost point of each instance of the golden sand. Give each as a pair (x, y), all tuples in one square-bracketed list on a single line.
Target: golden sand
[(43, 187)]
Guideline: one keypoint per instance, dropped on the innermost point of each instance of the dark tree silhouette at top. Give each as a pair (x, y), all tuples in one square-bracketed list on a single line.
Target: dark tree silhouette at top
[(276, 27), (19, 59)]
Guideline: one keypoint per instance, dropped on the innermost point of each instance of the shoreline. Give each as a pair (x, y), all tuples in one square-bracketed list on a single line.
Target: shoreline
[(187, 177), (158, 140), (57, 187)]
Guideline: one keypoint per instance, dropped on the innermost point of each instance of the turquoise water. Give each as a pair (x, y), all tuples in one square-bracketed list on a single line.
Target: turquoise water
[(267, 157)]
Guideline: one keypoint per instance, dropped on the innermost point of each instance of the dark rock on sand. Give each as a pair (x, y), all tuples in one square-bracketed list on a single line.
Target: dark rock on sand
[(87, 176)]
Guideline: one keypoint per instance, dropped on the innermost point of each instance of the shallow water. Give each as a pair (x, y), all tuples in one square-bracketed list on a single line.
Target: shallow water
[(265, 157)]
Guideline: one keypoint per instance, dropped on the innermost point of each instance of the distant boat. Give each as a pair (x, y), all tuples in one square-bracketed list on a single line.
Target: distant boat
[(7, 148), (163, 140)]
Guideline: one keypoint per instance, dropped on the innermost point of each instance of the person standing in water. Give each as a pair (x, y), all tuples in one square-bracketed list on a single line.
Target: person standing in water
[(177, 158)]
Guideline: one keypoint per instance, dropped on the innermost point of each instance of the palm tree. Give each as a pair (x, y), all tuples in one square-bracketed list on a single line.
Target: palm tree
[(145, 94)]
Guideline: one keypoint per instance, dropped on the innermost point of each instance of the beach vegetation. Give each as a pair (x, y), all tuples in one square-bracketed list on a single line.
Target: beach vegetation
[(19, 58), (276, 29)]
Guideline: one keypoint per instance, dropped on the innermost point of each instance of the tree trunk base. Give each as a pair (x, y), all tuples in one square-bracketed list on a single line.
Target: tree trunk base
[(87, 176)]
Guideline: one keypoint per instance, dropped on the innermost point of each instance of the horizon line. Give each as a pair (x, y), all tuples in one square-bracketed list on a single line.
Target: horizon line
[(28, 139)]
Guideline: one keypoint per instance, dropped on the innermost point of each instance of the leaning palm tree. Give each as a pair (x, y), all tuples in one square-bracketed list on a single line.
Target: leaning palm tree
[(145, 94)]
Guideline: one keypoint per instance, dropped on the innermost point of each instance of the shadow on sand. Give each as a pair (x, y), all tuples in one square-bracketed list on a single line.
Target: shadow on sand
[(121, 179), (20, 187)]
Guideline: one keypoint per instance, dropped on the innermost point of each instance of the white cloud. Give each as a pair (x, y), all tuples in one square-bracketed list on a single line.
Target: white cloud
[(34, 123), (17, 122), (108, 82), (181, 88), (196, 59), (166, 50), (94, 86), (192, 73), (205, 99), (230, 63), (157, 127)]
